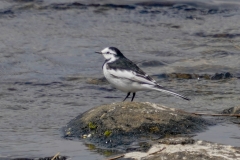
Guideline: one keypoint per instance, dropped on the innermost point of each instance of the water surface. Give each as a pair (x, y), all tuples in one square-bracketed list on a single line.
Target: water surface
[(47, 55)]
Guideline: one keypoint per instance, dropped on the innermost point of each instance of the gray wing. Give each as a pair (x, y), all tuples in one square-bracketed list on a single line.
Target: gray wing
[(119, 66)]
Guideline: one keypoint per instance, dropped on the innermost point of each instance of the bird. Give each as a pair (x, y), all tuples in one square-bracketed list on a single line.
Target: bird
[(126, 76)]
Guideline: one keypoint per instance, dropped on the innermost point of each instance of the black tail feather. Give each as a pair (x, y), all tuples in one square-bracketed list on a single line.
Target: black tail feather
[(162, 89)]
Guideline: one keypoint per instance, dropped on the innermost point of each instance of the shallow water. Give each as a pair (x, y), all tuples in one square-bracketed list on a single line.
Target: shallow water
[(47, 55)]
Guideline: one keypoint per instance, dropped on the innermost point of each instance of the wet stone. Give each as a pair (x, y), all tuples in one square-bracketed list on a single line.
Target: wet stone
[(188, 76), (177, 140), (182, 76), (152, 64), (73, 78), (24, 1), (232, 110), (97, 81), (118, 125), (195, 150), (219, 35), (216, 76), (45, 158), (219, 76)]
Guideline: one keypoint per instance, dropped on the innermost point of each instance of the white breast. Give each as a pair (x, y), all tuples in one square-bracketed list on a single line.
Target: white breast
[(117, 80)]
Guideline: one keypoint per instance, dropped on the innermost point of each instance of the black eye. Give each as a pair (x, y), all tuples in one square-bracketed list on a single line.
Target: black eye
[(107, 52)]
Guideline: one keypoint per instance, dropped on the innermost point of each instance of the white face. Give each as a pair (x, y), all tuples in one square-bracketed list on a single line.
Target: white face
[(109, 54)]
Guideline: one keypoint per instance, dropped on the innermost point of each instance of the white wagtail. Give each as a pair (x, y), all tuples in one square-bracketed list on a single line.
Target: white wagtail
[(126, 76)]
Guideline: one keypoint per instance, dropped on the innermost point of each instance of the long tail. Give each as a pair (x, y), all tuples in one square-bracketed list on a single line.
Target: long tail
[(162, 89)]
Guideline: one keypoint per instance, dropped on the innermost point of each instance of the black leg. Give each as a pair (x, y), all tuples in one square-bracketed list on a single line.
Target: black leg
[(133, 96), (126, 96)]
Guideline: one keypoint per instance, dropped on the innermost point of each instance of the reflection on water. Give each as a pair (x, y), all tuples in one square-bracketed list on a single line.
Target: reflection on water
[(47, 58)]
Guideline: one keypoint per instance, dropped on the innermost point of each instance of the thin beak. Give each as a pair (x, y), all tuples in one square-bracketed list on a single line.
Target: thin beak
[(99, 52)]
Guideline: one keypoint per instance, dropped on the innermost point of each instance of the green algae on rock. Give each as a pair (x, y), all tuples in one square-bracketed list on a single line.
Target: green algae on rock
[(122, 123)]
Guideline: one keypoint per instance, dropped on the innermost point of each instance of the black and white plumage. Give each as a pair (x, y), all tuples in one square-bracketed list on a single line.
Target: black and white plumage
[(126, 76)]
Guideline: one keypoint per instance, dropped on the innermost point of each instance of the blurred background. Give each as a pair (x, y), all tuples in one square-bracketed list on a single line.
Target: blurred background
[(49, 72)]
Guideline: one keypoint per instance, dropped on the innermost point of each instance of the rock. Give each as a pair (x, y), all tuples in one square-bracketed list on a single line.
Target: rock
[(45, 158), (219, 76), (120, 124), (188, 76), (195, 150), (153, 63), (216, 76), (232, 110), (73, 78), (97, 81), (177, 140), (182, 76)]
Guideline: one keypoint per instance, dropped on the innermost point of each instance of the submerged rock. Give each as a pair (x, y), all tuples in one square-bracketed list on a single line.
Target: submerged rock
[(45, 158), (235, 112), (153, 63), (232, 110), (219, 76), (97, 81), (177, 148), (188, 76), (216, 76), (120, 124)]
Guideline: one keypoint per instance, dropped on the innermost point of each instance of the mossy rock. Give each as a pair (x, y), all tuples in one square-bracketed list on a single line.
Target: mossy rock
[(120, 124)]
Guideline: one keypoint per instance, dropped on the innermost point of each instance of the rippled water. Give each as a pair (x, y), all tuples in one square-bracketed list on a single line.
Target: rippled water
[(47, 55)]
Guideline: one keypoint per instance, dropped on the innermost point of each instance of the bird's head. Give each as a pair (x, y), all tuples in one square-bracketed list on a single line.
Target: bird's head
[(111, 53)]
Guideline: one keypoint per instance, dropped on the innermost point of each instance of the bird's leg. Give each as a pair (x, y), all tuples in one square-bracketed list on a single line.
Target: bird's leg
[(133, 96), (126, 96)]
